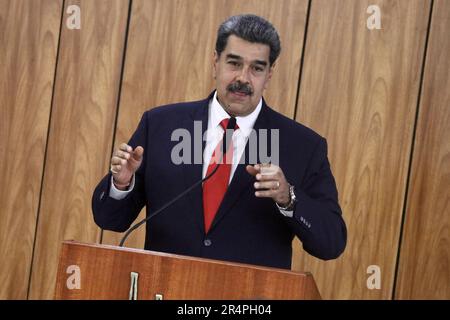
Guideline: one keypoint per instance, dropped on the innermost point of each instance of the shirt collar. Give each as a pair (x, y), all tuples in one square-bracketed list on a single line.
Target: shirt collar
[(245, 123)]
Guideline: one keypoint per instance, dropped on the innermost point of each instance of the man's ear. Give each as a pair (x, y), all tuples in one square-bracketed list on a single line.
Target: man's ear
[(215, 61), (269, 76)]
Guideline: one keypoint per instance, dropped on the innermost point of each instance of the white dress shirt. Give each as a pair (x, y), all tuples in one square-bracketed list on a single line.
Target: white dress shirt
[(214, 133)]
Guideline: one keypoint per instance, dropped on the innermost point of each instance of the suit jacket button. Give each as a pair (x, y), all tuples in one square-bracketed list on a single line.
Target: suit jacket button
[(207, 242)]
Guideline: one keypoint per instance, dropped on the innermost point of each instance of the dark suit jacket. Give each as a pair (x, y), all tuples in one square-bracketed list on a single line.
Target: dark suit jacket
[(246, 229)]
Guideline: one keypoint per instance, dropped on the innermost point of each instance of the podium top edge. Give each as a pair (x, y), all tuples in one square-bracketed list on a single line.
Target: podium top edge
[(182, 257)]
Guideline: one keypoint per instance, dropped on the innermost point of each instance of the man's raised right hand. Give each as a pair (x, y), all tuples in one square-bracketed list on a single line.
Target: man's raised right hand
[(124, 164)]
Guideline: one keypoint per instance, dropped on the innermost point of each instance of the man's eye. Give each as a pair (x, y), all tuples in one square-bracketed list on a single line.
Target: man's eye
[(234, 63), (258, 68)]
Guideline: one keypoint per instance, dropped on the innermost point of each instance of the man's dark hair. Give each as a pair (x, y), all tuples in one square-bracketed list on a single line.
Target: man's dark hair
[(250, 28)]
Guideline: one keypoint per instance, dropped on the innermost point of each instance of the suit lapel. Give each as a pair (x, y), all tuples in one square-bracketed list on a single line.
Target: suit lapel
[(242, 180), (193, 173)]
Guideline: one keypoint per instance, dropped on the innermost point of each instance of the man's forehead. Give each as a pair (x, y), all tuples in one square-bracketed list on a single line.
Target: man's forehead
[(246, 50)]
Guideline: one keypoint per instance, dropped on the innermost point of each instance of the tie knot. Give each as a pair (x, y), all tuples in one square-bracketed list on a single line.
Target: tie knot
[(224, 124)]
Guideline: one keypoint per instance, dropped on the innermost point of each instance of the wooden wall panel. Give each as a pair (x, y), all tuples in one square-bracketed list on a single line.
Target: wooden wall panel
[(28, 44), (424, 271), (359, 89), (170, 54), (81, 130)]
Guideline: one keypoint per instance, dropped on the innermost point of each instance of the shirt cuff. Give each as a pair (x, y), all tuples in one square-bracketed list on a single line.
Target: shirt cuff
[(286, 213), (120, 194)]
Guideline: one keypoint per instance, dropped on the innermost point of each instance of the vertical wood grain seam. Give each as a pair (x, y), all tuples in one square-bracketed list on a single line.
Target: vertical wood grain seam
[(302, 58), (122, 72), (46, 149), (411, 155)]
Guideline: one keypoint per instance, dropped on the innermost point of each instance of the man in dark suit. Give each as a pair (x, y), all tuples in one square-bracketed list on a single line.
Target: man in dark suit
[(248, 210)]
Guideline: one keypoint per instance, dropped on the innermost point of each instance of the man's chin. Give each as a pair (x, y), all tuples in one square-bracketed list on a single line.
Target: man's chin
[(239, 109)]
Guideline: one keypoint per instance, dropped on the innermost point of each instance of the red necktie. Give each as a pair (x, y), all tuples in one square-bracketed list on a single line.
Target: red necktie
[(215, 187)]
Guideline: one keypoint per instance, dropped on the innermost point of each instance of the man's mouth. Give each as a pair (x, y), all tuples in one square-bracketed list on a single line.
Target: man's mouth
[(240, 89), (240, 93)]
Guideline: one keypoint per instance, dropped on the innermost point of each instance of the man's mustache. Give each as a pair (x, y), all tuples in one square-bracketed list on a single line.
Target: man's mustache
[(240, 87)]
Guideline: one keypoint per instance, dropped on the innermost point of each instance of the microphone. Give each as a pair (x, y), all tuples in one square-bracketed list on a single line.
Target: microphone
[(226, 140)]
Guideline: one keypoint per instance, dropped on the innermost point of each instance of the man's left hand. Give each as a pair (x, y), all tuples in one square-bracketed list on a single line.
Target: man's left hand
[(270, 183)]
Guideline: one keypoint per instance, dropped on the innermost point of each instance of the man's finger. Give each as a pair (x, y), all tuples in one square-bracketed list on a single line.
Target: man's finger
[(252, 170), (268, 169), (265, 193), (138, 153), (116, 160), (266, 177), (267, 185), (116, 168), (125, 147), (123, 154)]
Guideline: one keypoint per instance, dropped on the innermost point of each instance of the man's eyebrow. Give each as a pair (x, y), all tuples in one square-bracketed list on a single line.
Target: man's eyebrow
[(235, 56), (264, 63)]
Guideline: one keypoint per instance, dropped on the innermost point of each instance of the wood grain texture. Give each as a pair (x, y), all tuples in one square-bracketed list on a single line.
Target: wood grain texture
[(175, 277), (28, 44), (424, 271), (81, 131), (359, 89), (170, 54)]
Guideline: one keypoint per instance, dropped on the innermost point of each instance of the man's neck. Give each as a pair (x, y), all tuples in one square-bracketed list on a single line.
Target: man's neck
[(224, 108)]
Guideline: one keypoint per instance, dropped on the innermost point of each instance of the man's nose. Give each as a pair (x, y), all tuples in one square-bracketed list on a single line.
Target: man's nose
[(243, 75)]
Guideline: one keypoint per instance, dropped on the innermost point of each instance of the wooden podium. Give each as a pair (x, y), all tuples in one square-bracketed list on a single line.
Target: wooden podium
[(91, 271)]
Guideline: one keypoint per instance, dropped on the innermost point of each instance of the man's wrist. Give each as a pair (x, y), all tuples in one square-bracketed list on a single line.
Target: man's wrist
[(121, 186), (286, 204), (120, 194), (292, 200)]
